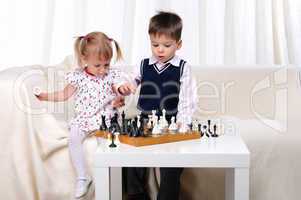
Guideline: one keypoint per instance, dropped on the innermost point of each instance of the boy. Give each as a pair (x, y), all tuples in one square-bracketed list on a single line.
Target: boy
[(166, 83)]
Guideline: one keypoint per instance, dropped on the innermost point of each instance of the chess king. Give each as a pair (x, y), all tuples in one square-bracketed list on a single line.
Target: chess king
[(166, 83)]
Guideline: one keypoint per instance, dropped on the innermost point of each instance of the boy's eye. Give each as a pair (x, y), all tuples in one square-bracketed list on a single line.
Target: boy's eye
[(155, 45), (97, 66), (167, 45)]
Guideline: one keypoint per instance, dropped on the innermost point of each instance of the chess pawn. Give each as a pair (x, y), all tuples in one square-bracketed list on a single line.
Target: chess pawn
[(117, 141), (173, 127), (214, 131), (195, 126), (184, 128)]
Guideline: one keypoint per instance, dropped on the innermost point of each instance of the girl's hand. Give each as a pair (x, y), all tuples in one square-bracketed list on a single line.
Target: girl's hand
[(118, 102), (42, 96), (126, 89)]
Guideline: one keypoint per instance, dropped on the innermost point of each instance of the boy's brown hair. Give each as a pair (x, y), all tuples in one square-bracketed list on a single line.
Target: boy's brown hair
[(167, 23)]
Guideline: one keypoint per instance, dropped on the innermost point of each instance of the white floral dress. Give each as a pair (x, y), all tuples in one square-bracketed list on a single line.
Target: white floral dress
[(92, 98)]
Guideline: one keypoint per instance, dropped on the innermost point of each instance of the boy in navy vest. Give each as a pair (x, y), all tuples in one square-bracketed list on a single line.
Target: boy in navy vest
[(166, 83)]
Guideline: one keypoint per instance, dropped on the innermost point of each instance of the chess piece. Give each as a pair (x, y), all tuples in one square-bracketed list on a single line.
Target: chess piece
[(112, 133), (103, 126), (123, 125), (117, 141), (190, 127), (164, 123), (200, 130), (173, 127), (206, 131), (134, 129), (156, 130), (214, 131), (149, 123), (129, 128), (183, 128), (209, 127)]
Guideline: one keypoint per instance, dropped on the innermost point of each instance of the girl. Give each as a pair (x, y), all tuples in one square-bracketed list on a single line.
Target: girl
[(93, 86)]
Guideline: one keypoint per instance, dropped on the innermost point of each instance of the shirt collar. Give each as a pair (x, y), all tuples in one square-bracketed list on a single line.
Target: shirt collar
[(175, 61)]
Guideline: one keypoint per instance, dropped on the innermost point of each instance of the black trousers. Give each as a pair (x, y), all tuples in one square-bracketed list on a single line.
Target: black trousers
[(136, 182)]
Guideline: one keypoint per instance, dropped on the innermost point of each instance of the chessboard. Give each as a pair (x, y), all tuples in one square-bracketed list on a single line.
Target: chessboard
[(152, 140)]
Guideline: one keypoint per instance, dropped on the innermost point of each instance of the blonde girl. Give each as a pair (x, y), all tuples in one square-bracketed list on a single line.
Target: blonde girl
[(92, 84)]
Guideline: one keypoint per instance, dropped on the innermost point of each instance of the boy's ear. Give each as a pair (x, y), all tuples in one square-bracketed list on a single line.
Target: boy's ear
[(179, 44)]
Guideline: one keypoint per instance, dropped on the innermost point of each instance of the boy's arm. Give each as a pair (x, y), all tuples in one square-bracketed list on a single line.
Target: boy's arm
[(187, 97), (62, 95)]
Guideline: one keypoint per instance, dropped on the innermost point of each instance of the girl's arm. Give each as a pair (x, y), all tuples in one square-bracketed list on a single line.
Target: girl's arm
[(62, 95)]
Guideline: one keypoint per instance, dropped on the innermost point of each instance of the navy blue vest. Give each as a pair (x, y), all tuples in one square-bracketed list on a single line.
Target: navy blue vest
[(160, 88)]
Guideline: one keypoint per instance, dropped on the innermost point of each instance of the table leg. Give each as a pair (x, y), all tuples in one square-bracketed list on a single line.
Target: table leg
[(102, 183), (116, 183), (237, 184)]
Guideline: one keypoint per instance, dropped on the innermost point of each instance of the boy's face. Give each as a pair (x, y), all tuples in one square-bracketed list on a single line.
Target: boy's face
[(164, 47)]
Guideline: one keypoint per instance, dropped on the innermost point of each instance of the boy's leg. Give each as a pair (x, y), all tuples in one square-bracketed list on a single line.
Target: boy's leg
[(136, 183), (170, 183)]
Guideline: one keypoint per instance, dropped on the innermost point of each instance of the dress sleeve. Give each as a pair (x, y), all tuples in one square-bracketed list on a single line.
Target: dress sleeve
[(73, 78)]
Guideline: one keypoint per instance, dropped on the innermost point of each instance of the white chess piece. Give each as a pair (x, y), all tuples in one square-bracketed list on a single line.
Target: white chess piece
[(117, 141), (164, 123), (173, 127), (37, 91), (156, 129), (183, 129), (138, 121)]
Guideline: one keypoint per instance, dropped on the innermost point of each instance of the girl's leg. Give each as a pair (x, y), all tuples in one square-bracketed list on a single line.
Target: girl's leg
[(77, 156), (76, 151)]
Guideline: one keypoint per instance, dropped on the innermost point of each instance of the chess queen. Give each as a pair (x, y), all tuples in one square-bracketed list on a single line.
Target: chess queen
[(92, 85)]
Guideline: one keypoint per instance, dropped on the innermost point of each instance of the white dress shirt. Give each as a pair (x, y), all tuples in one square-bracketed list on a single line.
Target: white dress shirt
[(188, 93)]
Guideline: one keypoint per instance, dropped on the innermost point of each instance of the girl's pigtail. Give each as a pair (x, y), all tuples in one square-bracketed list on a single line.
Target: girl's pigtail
[(118, 50), (78, 50)]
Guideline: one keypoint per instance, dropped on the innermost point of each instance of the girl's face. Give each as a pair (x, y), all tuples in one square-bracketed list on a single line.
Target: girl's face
[(96, 66)]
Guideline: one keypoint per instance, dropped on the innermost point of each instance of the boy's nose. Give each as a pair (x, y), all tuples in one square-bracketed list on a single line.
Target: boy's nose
[(160, 49)]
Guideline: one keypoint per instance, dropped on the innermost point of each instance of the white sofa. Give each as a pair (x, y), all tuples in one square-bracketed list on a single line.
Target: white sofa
[(262, 103)]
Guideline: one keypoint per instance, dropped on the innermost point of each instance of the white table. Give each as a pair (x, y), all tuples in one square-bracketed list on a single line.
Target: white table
[(229, 152)]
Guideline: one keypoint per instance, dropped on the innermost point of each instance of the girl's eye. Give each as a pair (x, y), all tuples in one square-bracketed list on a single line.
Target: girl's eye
[(155, 45), (167, 45), (97, 66)]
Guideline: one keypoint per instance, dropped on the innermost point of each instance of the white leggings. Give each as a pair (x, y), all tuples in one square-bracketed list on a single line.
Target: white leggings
[(77, 152)]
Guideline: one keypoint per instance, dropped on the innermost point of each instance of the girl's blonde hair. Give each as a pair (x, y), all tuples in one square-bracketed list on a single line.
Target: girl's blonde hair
[(96, 44)]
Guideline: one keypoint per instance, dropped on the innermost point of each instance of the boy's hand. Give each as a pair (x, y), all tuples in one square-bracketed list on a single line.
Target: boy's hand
[(118, 102), (126, 89)]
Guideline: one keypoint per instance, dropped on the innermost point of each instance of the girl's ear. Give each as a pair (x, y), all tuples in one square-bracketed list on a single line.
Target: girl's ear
[(179, 44)]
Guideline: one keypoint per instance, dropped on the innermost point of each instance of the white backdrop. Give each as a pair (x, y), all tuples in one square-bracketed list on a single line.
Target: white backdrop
[(215, 31)]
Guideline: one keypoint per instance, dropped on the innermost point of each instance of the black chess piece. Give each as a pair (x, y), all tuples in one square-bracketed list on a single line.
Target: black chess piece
[(200, 130), (112, 132), (206, 131), (141, 127), (123, 125), (103, 126), (129, 128), (190, 126), (114, 123), (134, 130), (214, 131), (209, 127)]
